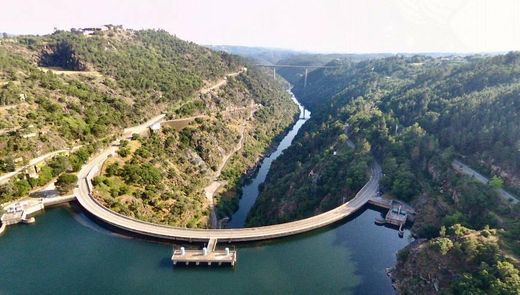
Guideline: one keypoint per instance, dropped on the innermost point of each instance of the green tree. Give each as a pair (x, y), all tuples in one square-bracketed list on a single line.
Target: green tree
[(78, 158), (66, 182), (7, 165), (45, 175), (442, 245), (507, 281), (22, 187), (123, 152), (59, 164), (112, 169), (496, 182)]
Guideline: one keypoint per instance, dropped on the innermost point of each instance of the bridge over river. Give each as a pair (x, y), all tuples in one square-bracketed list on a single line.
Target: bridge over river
[(306, 68)]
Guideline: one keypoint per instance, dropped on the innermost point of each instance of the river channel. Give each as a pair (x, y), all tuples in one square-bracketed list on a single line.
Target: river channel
[(250, 190)]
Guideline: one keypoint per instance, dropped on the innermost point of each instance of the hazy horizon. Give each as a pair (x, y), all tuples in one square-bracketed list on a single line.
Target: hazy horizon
[(456, 26), (346, 52)]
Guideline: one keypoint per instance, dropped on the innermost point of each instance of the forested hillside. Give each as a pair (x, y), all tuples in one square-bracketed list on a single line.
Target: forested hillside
[(69, 89), (414, 115), (310, 177), (111, 80), (161, 178), (460, 261), (469, 103)]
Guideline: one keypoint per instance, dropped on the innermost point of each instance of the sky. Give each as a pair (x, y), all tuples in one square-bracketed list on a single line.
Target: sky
[(363, 26)]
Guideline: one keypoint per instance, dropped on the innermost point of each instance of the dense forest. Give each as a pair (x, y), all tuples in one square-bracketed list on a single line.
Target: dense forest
[(414, 115), (70, 90)]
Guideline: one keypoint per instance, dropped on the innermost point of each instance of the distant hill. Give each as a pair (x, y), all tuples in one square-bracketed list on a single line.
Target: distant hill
[(293, 75), (257, 54), (275, 56)]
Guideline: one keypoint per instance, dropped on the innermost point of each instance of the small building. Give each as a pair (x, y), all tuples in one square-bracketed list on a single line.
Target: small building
[(31, 172), (399, 213), (30, 135), (155, 127), (90, 31), (111, 27)]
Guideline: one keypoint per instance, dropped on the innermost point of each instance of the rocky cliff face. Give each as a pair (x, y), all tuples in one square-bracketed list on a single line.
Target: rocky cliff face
[(419, 272), (61, 55)]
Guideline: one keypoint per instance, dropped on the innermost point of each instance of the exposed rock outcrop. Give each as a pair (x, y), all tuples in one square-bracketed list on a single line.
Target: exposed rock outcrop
[(61, 55)]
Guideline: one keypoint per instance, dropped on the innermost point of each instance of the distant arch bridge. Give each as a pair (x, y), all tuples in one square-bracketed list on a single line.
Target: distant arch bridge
[(307, 67)]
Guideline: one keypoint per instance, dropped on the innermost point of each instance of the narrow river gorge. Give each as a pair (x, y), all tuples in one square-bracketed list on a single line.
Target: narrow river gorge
[(250, 190), (65, 251)]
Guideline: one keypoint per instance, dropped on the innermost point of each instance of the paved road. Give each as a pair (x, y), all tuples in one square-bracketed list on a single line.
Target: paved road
[(465, 169), (159, 118)]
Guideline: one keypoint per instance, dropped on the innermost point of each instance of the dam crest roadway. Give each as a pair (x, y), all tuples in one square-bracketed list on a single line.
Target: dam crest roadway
[(83, 194)]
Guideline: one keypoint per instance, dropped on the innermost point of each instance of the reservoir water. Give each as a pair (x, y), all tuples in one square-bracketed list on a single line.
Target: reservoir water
[(65, 252)]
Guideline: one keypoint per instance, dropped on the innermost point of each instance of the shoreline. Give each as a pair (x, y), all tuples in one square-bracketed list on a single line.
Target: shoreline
[(2, 228)]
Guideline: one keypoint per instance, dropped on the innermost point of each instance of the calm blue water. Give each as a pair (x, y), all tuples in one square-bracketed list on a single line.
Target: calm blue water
[(64, 252)]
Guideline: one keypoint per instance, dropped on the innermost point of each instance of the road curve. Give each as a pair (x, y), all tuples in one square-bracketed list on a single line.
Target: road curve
[(86, 200)]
